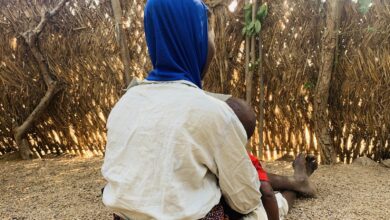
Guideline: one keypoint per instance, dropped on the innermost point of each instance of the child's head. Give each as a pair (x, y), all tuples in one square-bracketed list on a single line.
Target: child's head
[(244, 113)]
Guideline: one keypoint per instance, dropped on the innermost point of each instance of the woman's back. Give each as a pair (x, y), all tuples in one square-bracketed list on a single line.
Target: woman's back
[(171, 149), (160, 156)]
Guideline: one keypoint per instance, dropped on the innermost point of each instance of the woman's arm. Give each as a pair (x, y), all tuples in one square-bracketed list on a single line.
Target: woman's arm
[(238, 178)]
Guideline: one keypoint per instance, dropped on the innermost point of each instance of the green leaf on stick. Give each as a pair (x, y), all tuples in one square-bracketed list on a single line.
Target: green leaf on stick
[(262, 12), (257, 26)]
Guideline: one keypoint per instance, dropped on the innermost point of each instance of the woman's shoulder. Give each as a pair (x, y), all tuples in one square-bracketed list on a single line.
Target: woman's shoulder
[(213, 106)]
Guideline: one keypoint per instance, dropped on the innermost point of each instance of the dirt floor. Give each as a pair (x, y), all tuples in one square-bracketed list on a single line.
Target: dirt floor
[(69, 188)]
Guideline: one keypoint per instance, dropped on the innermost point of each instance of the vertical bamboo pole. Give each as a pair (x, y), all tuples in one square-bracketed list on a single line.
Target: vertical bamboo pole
[(249, 74), (121, 39), (251, 71), (247, 57), (261, 99)]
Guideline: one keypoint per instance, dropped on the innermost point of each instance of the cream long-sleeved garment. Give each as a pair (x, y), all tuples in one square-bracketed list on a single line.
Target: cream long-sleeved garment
[(171, 151)]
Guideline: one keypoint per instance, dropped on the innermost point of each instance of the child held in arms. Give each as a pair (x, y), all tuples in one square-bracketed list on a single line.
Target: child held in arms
[(277, 204)]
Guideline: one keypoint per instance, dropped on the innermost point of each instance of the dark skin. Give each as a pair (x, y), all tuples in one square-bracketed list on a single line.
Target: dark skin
[(269, 200), (303, 165)]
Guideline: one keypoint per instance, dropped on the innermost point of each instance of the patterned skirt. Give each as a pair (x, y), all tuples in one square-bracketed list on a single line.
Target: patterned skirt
[(217, 213)]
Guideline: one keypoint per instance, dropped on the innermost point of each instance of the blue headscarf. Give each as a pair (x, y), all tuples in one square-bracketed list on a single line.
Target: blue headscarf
[(177, 38)]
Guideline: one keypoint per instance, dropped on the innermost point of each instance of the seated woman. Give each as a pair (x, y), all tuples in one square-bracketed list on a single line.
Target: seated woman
[(172, 150)]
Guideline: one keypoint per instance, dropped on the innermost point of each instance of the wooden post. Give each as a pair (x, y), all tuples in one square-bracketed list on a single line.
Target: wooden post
[(247, 57), (261, 99), (249, 73), (328, 55), (249, 88), (121, 39)]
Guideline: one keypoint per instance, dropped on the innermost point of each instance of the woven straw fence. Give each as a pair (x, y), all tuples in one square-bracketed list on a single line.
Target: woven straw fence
[(80, 46)]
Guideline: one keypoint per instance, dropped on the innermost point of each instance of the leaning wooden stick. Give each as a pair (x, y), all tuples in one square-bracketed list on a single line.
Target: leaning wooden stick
[(53, 86)]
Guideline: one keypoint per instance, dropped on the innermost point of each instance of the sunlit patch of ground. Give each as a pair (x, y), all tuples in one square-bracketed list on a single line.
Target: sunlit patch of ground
[(69, 188), (64, 188), (344, 192)]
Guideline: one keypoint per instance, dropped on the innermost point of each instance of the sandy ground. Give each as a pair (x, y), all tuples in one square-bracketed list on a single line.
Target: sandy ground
[(69, 188)]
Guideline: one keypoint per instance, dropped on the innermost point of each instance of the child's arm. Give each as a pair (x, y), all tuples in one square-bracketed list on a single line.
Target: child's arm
[(269, 201), (268, 196)]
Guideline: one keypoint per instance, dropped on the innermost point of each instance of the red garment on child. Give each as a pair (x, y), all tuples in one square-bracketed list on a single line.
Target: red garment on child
[(260, 171)]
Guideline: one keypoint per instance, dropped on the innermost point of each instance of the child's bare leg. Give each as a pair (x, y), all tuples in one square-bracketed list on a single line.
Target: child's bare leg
[(299, 182), (290, 196)]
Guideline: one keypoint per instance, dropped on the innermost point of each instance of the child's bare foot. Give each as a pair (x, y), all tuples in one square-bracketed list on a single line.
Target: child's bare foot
[(305, 187), (302, 170), (299, 165), (310, 163)]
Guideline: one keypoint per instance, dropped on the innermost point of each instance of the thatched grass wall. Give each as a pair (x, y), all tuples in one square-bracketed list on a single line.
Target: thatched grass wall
[(360, 107), (82, 51)]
